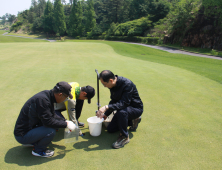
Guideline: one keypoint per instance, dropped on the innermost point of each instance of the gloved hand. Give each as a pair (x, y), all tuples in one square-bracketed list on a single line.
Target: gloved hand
[(70, 125)]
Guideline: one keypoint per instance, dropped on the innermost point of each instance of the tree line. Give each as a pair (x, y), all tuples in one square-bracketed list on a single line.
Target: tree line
[(7, 18), (82, 17)]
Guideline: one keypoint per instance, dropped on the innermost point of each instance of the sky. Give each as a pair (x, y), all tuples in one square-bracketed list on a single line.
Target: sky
[(14, 6)]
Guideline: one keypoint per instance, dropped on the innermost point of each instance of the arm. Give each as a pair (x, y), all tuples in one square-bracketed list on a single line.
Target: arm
[(47, 117), (123, 102), (71, 109), (108, 110), (125, 99)]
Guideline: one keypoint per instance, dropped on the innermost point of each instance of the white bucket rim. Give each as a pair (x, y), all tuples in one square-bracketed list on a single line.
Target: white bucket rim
[(95, 122)]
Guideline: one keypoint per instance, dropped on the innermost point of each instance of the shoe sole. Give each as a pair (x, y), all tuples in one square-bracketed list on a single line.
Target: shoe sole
[(121, 146), (36, 154)]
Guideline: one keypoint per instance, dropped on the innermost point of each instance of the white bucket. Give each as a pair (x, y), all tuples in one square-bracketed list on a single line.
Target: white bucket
[(95, 125)]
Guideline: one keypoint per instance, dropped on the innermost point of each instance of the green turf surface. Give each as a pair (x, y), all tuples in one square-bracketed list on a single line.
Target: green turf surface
[(10, 39), (181, 123)]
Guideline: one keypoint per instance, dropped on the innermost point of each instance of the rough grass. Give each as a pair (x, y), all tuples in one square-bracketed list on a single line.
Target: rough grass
[(181, 123)]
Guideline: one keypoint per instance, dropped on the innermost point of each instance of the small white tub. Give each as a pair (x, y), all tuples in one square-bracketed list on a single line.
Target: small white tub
[(95, 125)]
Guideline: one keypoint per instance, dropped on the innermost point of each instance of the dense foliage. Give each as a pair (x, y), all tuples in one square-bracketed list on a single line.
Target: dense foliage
[(82, 18), (152, 18), (131, 28)]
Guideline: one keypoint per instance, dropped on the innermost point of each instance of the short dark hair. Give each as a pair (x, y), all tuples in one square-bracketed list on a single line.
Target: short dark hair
[(106, 75), (90, 92)]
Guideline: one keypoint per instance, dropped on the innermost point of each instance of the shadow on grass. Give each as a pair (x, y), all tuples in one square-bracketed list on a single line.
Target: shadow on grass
[(22, 156), (102, 142)]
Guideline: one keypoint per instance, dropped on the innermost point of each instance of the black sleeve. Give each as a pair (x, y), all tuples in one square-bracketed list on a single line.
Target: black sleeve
[(109, 111), (79, 105), (47, 117), (125, 99)]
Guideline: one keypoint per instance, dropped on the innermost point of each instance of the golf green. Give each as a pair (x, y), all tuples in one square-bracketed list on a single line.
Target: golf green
[(181, 123)]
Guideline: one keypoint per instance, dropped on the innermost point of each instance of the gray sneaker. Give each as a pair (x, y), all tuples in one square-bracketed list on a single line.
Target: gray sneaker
[(121, 141), (46, 153), (135, 124)]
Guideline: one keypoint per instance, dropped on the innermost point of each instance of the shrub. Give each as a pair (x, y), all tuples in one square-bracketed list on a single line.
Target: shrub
[(16, 26), (131, 28), (214, 52), (144, 40)]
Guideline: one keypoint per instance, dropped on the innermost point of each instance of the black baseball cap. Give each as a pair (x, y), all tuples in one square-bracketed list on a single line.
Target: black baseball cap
[(90, 92), (65, 88)]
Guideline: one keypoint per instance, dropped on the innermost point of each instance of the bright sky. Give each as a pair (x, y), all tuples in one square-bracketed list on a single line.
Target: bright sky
[(15, 6)]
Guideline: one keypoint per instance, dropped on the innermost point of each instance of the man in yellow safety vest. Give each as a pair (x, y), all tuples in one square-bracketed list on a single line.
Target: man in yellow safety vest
[(74, 105)]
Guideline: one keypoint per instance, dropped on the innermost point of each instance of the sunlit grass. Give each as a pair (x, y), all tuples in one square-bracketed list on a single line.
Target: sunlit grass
[(181, 123)]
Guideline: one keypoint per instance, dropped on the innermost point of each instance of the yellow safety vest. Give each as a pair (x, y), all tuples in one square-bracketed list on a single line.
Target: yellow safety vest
[(74, 85)]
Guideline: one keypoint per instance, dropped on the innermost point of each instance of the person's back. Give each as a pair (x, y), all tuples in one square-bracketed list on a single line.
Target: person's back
[(34, 110), (126, 90)]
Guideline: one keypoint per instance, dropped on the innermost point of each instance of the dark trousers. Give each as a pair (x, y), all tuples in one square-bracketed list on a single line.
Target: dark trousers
[(79, 105), (122, 118), (40, 137)]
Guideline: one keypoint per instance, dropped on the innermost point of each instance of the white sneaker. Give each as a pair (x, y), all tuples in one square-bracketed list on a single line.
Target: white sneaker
[(46, 153)]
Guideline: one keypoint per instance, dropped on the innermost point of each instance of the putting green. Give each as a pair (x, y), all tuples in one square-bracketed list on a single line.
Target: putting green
[(181, 123)]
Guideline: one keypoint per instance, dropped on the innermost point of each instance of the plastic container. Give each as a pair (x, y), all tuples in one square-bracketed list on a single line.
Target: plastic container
[(95, 125), (71, 136)]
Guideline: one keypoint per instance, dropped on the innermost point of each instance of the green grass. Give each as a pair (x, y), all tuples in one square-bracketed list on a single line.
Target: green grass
[(206, 67), (181, 123), (206, 51), (9, 39)]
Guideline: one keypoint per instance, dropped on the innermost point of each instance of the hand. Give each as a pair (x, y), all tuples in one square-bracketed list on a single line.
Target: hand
[(102, 109), (70, 125)]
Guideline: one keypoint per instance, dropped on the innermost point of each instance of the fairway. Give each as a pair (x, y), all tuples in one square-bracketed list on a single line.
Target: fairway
[(181, 123)]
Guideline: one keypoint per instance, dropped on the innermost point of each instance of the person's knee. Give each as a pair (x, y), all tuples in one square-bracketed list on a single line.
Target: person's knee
[(121, 114), (51, 132)]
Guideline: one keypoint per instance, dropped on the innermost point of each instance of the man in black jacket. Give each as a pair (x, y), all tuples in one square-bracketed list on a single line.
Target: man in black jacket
[(125, 101), (37, 121)]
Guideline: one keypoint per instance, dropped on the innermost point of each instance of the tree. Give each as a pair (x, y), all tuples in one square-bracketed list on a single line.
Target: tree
[(31, 15), (48, 18), (75, 20), (59, 19), (3, 19), (213, 8), (114, 8), (11, 18), (91, 17), (34, 5), (158, 9), (41, 7), (38, 24), (138, 9)]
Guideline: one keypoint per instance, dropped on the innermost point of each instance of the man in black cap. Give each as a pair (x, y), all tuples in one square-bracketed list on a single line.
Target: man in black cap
[(37, 121), (74, 105)]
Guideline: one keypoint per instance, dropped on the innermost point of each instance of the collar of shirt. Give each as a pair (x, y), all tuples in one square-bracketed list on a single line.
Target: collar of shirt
[(52, 97), (77, 91)]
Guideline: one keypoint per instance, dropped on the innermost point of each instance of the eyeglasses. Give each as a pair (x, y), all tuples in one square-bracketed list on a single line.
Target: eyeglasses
[(66, 96)]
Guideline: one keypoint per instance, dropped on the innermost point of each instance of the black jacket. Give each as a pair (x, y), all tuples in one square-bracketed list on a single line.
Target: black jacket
[(124, 94), (38, 111)]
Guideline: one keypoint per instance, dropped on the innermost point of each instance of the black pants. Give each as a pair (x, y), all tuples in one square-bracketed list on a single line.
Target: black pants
[(122, 117)]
